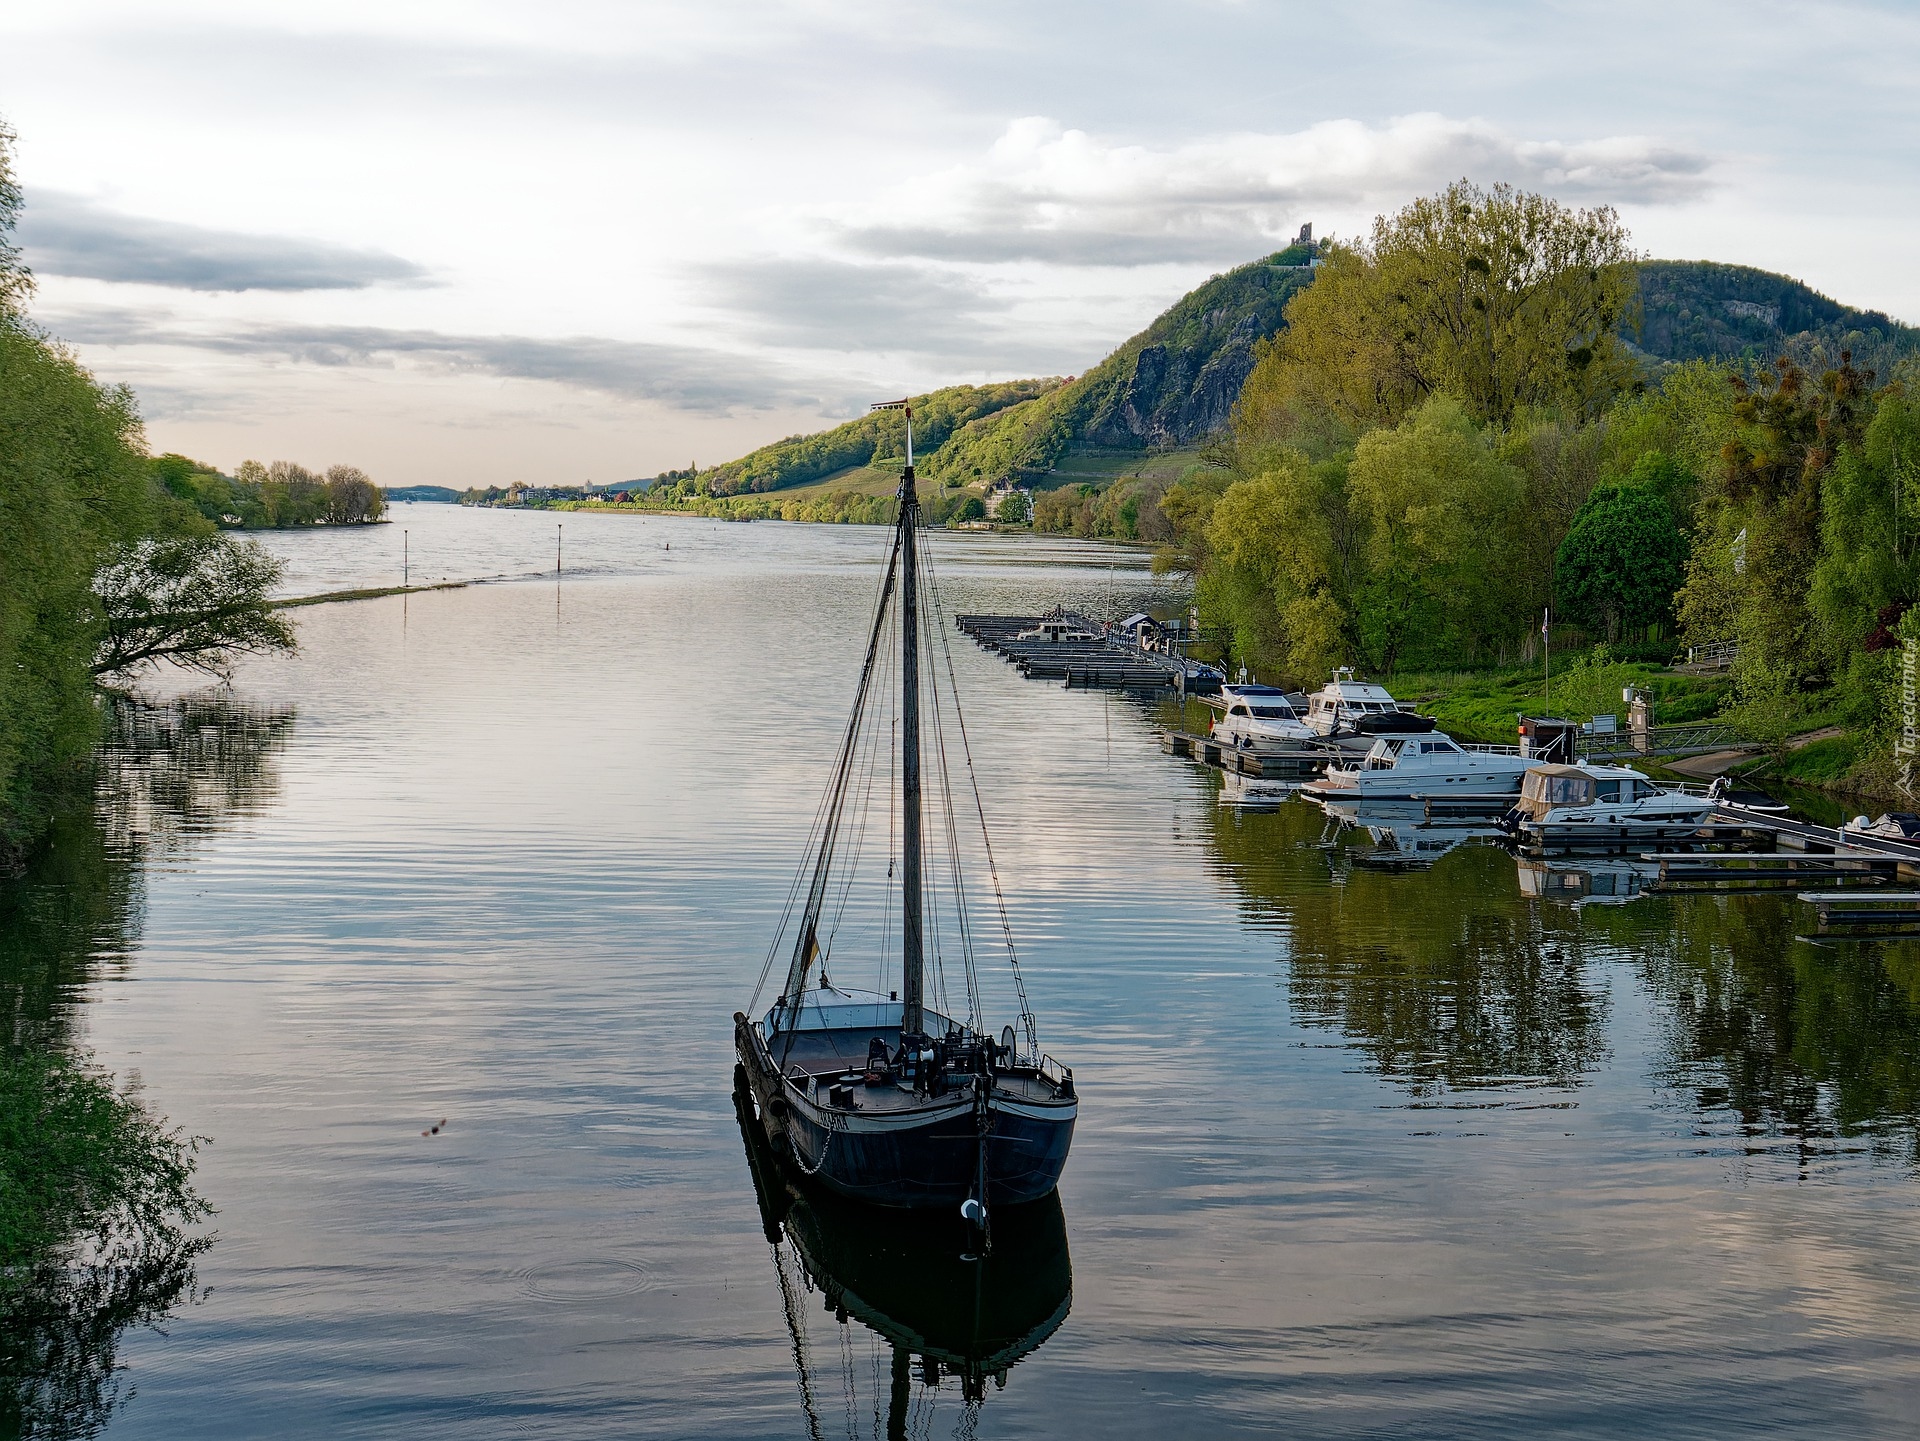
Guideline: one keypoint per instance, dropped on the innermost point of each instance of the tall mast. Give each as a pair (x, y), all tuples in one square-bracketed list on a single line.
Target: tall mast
[(912, 951), (912, 954)]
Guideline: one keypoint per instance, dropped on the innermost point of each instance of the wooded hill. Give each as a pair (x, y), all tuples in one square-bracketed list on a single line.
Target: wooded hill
[(1704, 310), (1174, 384)]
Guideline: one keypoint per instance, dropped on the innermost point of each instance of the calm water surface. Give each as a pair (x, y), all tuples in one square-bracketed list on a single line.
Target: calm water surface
[(1363, 1151)]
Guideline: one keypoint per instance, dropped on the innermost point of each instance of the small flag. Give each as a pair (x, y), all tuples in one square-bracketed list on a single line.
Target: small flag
[(1546, 626)]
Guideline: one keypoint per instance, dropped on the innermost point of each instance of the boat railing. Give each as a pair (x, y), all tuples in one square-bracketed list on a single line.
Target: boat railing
[(1052, 1071), (1488, 750)]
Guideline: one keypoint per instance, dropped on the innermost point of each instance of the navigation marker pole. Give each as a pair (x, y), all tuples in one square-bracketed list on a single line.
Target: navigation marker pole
[(406, 561)]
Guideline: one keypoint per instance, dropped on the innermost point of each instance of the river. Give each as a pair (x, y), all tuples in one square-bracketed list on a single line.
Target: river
[(1363, 1150)]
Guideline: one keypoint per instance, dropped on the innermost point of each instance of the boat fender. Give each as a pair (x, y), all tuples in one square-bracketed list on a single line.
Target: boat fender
[(972, 1212)]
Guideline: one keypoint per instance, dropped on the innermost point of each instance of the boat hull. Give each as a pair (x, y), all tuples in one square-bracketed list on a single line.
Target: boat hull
[(929, 1156)]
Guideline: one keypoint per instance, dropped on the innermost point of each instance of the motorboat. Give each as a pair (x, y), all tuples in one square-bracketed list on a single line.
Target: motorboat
[(1057, 632), (1606, 802), (1260, 720), (901, 1097), (1422, 767), (1350, 713)]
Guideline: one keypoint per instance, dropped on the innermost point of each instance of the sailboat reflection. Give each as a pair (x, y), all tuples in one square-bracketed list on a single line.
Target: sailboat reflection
[(913, 1280)]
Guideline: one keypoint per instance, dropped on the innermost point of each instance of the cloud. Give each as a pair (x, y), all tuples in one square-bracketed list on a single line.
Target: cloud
[(823, 304), (1043, 193), (681, 376), (63, 234)]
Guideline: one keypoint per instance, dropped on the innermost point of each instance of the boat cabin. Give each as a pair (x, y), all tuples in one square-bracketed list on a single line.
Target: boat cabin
[(1058, 632), (1560, 787), (1348, 706), (1257, 702)]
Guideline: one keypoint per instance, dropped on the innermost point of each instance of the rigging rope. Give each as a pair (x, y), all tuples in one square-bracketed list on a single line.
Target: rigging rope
[(828, 825), (1027, 1021)]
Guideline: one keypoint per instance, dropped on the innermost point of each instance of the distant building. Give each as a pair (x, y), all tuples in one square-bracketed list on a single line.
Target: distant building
[(998, 494)]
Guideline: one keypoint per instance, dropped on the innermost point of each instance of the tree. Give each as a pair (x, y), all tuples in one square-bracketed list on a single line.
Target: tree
[(1496, 297), (352, 499), (972, 508), (1762, 516), (16, 281), (1016, 508), (193, 600), (1282, 555), (72, 485), (1437, 504), (1622, 561)]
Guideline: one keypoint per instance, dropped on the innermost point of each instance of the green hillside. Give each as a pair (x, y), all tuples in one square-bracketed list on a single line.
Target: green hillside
[(1705, 310), (1172, 384), (878, 436)]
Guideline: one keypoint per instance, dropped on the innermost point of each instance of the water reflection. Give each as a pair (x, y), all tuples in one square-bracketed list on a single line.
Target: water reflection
[(1797, 1050), (1453, 965), (936, 1313), (104, 1236), (1443, 977)]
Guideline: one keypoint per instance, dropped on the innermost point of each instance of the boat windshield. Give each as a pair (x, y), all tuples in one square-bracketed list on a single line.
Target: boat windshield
[(1272, 712), (1566, 790)]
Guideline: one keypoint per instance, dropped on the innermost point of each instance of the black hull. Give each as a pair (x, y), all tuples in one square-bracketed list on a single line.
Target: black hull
[(926, 1159), (924, 1284)]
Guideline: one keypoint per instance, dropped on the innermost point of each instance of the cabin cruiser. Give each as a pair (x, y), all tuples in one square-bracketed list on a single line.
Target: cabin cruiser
[(1261, 720), (1610, 796), (1058, 632), (1349, 713), (1420, 767)]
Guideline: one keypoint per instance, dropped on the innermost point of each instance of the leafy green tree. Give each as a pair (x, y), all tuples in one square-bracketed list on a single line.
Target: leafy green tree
[(1499, 298), (972, 508), (1870, 533), (1437, 504), (1283, 554), (1016, 508), (1622, 561), (72, 486), (193, 600), (1762, 516)]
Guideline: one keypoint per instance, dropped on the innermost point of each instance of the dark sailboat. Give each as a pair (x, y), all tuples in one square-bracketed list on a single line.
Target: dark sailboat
[(938, 1311), (890, 1096)]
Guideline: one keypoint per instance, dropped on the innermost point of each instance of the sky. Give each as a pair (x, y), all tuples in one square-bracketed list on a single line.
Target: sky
[(476, 242)]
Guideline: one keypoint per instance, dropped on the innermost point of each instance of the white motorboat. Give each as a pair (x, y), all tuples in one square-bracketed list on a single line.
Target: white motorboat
[(1058, 632), (1616, 800), (1351, 713), (1422, 767), (1260, 720)]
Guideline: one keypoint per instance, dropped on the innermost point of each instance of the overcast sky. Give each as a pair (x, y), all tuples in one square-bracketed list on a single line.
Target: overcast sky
[(474, 241)]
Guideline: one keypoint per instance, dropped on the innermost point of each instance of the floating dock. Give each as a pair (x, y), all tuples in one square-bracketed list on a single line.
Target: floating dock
[(1105, 657), (1209, 751)]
